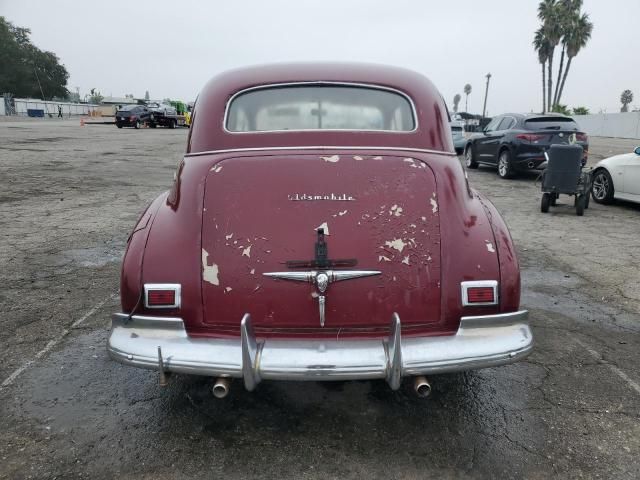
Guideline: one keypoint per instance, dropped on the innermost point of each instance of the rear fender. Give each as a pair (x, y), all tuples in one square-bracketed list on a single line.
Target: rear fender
[(507, 258), (131, 273)]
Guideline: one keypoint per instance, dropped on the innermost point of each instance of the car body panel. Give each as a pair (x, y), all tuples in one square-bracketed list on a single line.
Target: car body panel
[(245, 204), (625, 173)]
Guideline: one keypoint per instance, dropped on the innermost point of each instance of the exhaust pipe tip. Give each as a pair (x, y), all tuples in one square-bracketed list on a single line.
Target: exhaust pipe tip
[(221, 387), (421, 386), (531, 165)]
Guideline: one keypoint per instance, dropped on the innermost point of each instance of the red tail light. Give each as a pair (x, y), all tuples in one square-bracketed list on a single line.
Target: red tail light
[(483, 292), (582, 137), (480, 295), (530, 137), (161, 295)]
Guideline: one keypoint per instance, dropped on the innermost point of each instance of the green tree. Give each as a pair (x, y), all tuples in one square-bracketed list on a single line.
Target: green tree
[(26, 70), (562, 23), (576, 39), (541, 46), (549, 12), (467, 91), (563, 109), (580, 111), (456, 101), (95, 96), (626, 98)]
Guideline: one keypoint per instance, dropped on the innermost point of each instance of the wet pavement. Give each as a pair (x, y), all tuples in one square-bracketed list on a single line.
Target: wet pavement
[(68, 200)]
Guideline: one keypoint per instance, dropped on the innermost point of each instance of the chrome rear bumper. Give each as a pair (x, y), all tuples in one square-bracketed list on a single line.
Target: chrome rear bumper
[(162, 343)]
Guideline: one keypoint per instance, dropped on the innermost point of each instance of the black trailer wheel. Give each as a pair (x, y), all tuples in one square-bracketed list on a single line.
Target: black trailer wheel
[(587, 197), (546, 201), (553, 199), (580, 203)]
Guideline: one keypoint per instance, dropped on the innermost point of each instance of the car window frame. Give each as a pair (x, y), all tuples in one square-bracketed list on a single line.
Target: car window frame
[(512, 122), (413, 109), (498, 121)]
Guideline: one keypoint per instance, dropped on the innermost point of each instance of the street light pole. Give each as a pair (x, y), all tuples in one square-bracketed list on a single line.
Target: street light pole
[(486, 92)]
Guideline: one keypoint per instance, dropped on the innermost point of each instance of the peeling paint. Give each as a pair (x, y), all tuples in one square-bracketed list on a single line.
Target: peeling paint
[(395, 210), (324, 226), (424, 219), (315, 295), (344, 212), (247, 252), (377, 158), (413, 225), (405, 260), (229, 237), (490, 247), (332, 158), (209, 272), (227, 289), (396, 243), (434, 204), (382, 258), (253, 271), (357, 157), (216, 169)]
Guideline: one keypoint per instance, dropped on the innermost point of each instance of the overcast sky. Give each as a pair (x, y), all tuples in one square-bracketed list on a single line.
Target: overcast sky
[(171, 48)]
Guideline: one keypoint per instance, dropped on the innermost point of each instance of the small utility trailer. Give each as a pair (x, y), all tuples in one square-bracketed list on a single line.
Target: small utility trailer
[(564, 175)]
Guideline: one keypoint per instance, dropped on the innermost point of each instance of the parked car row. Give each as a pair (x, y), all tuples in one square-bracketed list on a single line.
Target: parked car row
[(517, 143), (152, 114)]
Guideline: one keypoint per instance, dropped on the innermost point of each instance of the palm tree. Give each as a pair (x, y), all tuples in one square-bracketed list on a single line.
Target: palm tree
[(626, 98), (456, 101), (549, 13), (577, 37), (542, 47), (467, 91)]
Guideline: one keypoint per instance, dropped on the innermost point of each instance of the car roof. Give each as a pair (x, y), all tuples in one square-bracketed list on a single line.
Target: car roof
[(207, 132)]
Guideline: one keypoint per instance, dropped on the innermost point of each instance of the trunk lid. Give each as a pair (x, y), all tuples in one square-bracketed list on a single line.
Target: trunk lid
[(262, 211)]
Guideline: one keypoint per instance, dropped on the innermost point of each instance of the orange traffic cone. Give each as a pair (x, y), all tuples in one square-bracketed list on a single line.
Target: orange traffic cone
[(82, 121)]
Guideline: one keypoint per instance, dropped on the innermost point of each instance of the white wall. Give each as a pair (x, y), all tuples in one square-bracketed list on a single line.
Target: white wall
[(1, 106), (619, 125), (23, 104)]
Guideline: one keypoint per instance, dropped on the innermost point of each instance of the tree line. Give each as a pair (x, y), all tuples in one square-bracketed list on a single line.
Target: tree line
[(27, 71), (565, 26)]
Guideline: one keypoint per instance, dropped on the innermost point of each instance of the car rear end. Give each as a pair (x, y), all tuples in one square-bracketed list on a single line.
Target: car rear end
[(537, 135), (126, 117), (458, 137)]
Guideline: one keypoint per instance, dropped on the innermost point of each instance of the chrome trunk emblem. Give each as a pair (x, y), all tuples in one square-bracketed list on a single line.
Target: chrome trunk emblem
[(321, 279), (322, 274)]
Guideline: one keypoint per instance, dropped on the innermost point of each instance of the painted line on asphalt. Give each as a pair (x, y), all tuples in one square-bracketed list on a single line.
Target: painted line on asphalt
[(52, 343), (615, 369)]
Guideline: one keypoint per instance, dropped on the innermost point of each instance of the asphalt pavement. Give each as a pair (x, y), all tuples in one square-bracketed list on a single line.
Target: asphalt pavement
[(69, 196)]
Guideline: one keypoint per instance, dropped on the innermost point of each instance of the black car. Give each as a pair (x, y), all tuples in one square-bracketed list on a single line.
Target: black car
[(132, 116), (515, 143)]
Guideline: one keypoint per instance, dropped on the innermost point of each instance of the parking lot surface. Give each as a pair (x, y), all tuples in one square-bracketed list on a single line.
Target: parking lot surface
[(69, 196)]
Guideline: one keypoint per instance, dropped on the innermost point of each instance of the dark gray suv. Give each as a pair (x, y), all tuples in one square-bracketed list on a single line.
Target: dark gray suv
[(514, 142)]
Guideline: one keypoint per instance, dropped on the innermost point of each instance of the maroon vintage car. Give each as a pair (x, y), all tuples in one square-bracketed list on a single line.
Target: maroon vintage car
[(320, 227)]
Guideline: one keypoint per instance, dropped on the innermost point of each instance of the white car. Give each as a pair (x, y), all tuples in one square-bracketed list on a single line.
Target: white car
[(617, 177)]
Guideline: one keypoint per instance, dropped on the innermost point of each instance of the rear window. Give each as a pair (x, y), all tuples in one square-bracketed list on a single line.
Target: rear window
[(320, 107), (550, 123), (456, 129), (128, 108)]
